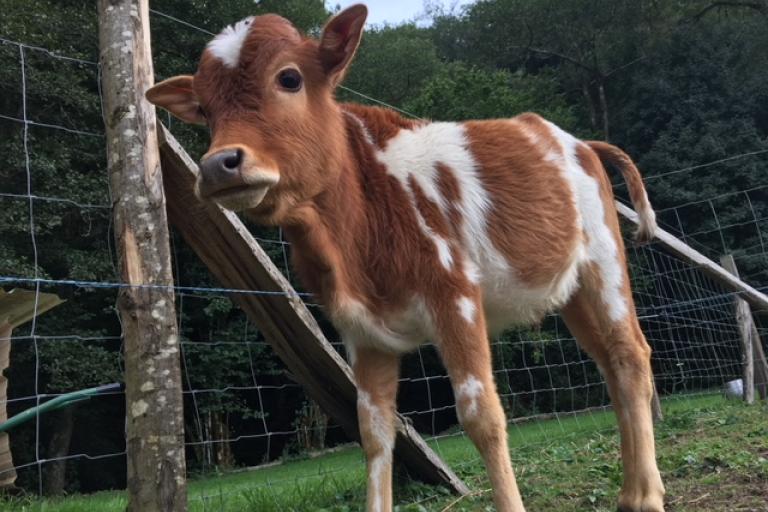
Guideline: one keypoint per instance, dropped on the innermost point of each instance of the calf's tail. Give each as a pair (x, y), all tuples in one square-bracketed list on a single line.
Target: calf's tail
[(612, 156)]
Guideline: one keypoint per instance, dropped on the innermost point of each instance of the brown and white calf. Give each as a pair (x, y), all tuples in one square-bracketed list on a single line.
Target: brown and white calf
[(409, 231)]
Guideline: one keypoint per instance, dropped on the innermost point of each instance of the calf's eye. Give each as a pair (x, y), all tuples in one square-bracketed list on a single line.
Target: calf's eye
[(290, 79)]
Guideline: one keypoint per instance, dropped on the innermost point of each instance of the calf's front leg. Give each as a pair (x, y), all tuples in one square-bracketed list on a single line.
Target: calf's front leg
[(376, 375), (466, 353)]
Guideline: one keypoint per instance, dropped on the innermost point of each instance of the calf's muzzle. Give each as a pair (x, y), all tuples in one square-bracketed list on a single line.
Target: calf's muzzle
[(220, 172)]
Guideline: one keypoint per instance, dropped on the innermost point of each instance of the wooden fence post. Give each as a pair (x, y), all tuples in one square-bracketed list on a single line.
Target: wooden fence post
[(154, 406), (761, 365), (755, 366), (744, 321)]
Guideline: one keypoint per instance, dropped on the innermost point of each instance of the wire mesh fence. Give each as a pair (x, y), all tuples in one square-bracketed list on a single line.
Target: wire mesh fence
[(241, 406)]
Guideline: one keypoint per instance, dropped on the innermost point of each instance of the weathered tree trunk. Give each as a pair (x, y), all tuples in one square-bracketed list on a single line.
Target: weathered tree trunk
[(7, 471), (311, 424), (603, 108), (591, 105), (155, 421), (222, 447), (62, 422)]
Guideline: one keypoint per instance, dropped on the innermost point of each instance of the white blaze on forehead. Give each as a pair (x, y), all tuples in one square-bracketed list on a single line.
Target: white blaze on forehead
[(227, 45)]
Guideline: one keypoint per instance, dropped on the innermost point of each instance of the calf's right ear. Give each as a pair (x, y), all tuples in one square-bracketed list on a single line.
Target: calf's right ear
[(177, 96), (340, 39)]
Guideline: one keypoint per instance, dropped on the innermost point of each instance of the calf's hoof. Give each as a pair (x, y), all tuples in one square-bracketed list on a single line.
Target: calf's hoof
[(646, 503)]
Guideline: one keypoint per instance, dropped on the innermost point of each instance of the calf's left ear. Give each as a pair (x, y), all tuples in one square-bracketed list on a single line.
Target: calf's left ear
[(177, 96), (340, 39)]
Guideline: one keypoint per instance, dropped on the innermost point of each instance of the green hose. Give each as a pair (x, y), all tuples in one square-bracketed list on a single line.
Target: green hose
[(60, 401)]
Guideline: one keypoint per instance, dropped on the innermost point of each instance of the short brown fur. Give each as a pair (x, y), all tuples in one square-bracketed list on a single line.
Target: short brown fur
[(358, 244)]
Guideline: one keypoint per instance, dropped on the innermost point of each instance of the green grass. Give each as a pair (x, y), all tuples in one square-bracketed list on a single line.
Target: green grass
[(712, 454)]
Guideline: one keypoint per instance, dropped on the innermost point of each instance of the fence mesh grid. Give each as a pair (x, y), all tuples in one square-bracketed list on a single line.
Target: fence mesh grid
[(232, 382)]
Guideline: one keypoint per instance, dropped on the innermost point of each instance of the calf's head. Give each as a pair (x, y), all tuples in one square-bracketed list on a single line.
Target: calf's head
[(266, 93)]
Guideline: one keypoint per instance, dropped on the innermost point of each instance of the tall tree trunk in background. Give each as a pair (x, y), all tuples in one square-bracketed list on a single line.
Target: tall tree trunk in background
[(311, 425), (222, 447), (603, 108), (55, 477), (593, 90), (590, 104)]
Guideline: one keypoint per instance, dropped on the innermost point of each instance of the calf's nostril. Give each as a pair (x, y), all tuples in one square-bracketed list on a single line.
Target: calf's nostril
[(233, 160)]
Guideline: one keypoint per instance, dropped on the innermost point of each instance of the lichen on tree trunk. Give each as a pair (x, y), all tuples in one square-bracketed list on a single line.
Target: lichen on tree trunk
[(155, 427)]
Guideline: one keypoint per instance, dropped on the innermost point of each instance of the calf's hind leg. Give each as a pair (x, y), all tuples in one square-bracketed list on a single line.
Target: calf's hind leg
[(623, 356)]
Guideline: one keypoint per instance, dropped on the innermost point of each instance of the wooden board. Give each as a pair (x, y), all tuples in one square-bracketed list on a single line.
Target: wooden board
[(237, 261), (18, 306)]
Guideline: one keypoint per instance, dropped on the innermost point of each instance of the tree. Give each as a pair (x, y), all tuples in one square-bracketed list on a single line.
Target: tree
[(392, 64), (588, 42), (459, 91)]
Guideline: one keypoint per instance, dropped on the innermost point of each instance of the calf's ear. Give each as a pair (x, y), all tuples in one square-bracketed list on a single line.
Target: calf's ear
[(340, 39), (177, 96)]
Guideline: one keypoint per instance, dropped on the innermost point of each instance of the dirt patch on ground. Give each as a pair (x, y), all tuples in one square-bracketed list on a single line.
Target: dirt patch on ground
[(732, 492)]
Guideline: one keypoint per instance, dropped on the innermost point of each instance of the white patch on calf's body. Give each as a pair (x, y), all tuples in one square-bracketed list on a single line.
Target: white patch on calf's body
[(467, 308), (443, 252), (471, 272), (414, 154), (399, 332), (601, 247), (227, 45), (469, 390), (382, 432)]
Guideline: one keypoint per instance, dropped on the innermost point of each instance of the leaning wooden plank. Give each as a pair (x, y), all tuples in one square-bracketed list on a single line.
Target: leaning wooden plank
[(17, 307), (757, 300), (237, 261)]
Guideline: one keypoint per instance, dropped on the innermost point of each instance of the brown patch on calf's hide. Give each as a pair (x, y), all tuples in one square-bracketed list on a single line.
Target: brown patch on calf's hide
[(364, 233), (533, 219), (450, 190), (381, 123), (429, 211)]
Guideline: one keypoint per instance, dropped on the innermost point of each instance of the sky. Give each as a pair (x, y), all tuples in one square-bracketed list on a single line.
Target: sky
[(395, 11)]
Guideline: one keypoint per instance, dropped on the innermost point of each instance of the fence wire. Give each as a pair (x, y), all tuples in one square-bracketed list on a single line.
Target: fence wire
[(235, 390)]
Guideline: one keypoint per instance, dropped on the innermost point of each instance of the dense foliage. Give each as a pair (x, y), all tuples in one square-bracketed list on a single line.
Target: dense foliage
[(677, 84)]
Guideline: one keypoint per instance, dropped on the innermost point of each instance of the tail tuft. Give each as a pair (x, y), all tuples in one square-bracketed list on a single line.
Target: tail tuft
[(612, 155)]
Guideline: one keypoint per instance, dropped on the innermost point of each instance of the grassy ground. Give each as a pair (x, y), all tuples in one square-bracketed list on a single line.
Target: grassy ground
[(713, 455)]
